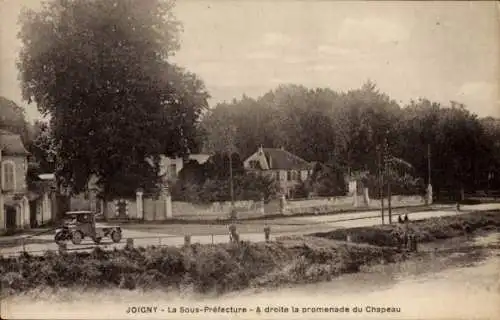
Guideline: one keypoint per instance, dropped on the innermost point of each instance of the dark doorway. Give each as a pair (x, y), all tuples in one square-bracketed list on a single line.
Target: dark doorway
[(122, 209), (33, 222), (10, 217)]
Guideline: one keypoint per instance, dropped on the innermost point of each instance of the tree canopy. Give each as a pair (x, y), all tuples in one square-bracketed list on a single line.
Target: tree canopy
[(100, 69), (346, 130), (12, 119)]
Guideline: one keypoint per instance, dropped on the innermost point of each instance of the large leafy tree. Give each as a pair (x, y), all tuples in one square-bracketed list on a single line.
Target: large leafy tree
[(100, 69), (364, 121)]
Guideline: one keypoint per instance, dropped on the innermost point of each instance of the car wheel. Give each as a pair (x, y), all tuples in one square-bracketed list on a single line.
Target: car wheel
[(97, 240), (76, 237), (116, 236)]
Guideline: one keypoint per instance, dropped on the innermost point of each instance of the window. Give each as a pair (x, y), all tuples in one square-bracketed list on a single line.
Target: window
[(304, 175), (172, 170), (254, 164), (282, 175), (8, 175), (289, 175)]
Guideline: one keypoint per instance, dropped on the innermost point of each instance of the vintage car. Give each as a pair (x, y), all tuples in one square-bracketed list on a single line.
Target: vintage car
[(81, 224)]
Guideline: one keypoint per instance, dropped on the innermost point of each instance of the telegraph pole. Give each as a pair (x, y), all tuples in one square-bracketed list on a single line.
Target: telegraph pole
[(387, 160), (429, 163), (231, 187), (380, 181), (429, 175)]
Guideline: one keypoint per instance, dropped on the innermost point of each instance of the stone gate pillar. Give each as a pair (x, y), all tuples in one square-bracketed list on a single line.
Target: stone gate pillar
[(2, 210), (26, 213), (139, 203), (283, 208), (428, 198), (366, 196), (168, 205)]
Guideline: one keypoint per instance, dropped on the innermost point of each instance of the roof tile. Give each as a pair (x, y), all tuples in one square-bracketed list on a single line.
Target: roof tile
[(284, 160)]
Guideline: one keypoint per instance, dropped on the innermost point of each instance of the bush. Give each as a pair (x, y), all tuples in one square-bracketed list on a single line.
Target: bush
[(400, 185), (246, 187)]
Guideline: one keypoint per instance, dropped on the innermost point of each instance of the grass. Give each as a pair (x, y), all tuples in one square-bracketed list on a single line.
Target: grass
[(227, 267), (425, 230), (202, 268)]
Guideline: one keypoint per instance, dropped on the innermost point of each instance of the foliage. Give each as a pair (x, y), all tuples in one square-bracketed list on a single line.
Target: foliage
[(426, 230), (100, 70), (346, 130), (210, 182), (12, 119), (206, 268), (400, 185), (328, 181), (246, 187), (43, 149)]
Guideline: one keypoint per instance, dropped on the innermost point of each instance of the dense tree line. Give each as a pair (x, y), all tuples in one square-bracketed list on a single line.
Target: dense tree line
[(349, 130)]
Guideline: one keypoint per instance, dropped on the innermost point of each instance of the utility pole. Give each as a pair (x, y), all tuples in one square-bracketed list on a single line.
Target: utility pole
[(380, 181), (429, 163), (387, 159), (389, 196), (429, 173), (231, 188)]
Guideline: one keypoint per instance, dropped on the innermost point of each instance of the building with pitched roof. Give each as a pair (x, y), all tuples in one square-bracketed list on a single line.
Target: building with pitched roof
[(286, 168), (14, 203)]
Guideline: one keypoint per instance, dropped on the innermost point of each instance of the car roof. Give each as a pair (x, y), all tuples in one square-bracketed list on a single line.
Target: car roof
[(79, 212)]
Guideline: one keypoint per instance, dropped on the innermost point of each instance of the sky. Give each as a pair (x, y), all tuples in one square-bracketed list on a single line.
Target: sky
[(438, 50)]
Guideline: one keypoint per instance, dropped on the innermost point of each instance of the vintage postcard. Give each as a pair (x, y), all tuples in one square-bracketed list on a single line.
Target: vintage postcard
[(264, 159)]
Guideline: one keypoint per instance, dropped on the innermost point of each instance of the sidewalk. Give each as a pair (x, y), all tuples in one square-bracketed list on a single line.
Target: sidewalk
[(24, 235)]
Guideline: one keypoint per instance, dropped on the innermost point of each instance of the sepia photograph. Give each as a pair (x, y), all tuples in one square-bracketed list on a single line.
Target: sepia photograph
[(252, 159)]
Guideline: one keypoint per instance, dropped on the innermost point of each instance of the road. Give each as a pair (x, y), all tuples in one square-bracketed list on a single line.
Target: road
[(161, 235)]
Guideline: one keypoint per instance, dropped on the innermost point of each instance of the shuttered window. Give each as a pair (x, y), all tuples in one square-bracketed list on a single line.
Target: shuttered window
[(8, 176)]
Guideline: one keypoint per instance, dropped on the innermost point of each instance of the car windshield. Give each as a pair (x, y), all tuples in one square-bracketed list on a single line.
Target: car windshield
[(82, 218)]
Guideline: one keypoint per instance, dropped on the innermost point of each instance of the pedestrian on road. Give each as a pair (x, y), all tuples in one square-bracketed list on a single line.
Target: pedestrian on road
[(399, 219)]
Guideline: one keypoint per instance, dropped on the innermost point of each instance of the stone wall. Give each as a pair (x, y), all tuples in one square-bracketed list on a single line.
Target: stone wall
[(324, 205), (181, 209), (162, 208)]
